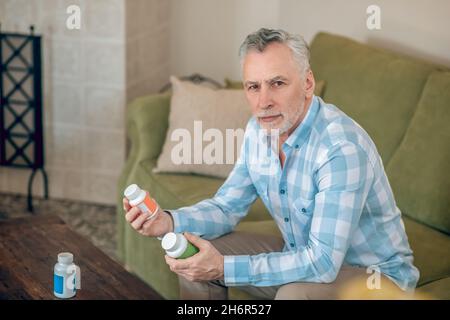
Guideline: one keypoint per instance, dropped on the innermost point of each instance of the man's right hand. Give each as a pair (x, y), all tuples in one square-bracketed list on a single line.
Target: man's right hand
[(157, 226)]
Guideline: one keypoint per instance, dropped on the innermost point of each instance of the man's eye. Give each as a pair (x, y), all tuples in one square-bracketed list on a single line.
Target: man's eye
[(278, 83), (252, 87)]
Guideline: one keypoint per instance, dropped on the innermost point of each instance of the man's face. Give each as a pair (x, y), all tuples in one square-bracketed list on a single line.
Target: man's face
[(274, 88)]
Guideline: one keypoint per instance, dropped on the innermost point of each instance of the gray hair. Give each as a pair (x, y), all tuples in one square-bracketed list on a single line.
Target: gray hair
[(260, 39)]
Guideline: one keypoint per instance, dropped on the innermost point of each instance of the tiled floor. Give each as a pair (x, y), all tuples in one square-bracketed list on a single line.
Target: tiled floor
[(93, 221)]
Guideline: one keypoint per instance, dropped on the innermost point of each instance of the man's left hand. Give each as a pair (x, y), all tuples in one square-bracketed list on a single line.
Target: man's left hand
[(206, 265)]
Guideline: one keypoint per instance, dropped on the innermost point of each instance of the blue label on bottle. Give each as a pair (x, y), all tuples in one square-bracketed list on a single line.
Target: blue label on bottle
[(58, 284)]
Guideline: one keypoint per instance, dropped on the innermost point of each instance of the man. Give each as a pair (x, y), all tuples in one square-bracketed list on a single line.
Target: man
[(325, 188)]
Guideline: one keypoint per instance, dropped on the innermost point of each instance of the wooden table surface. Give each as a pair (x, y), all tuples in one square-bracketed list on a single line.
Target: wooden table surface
[(29, 249)]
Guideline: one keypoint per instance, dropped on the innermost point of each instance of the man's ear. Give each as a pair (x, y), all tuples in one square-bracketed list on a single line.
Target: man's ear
[(310, 84)]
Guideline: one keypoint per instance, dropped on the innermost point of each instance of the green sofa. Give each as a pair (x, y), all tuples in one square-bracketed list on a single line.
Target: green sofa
[(403, 103)]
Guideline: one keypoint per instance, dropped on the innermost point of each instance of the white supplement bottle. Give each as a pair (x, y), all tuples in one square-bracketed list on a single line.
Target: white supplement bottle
[(66, 276), (141, 199)]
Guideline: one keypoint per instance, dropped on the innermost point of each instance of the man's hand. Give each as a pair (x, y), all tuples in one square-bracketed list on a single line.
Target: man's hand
[(206, 265), (157, 226)]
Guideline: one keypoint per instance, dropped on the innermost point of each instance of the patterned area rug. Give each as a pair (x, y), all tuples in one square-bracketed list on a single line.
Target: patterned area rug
[(95, 222)]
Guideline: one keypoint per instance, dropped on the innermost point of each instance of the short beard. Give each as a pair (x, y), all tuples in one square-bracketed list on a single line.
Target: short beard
[(290, 122), (287, 123)]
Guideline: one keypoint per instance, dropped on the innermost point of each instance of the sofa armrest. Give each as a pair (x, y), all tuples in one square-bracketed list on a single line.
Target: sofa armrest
[(147, 123)]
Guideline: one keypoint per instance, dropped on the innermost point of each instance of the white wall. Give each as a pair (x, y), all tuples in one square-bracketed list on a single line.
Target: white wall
[(84, 97), (88, 76), (206, 34)]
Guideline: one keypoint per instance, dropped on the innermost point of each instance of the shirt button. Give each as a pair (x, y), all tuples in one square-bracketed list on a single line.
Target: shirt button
[(282, 191), (297, 146), (286, 219), (303, 210), (292, 244)]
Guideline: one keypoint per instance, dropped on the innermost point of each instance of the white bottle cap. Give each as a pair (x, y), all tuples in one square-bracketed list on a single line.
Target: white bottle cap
[(65, 258), (132, 192), (170, 241), (174, 243)]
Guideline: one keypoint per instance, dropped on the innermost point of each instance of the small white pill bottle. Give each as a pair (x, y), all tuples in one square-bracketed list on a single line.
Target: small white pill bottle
[(141, 199), (66, 276)]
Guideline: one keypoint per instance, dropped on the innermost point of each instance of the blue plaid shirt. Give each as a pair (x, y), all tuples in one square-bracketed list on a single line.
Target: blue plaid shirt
[(331, 201)]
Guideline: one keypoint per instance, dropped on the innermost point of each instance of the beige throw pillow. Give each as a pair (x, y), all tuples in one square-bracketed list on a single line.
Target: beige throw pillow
[(197, 136)]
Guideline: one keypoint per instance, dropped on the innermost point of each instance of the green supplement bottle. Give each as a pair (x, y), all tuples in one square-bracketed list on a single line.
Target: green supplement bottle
[(177, 246)]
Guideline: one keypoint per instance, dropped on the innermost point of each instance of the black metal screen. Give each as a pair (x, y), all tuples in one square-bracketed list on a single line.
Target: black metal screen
[(21, 123)]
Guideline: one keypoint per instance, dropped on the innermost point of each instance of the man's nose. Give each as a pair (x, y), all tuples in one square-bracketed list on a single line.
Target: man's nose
[(265, 98)]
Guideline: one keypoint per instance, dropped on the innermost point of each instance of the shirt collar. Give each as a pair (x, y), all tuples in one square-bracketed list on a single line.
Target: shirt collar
[(301, 133)]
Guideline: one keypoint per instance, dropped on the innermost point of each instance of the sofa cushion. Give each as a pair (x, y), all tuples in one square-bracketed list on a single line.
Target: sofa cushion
[(419, 170), (196, 111), (378, 89), (430, 250)]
